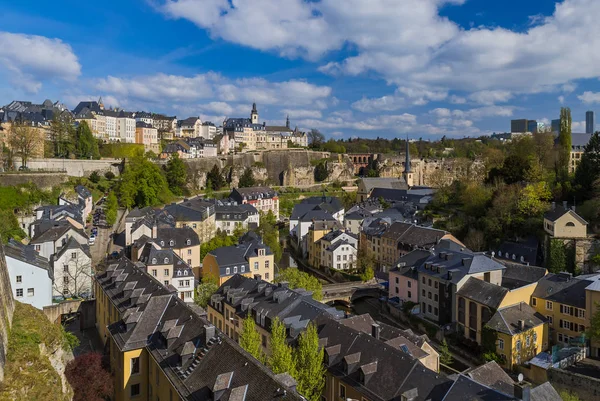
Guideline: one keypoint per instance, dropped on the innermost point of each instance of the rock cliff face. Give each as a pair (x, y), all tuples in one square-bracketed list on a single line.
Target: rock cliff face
[(7, 308)]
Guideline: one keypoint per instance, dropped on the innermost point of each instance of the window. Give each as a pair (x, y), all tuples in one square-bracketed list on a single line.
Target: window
[(549, 319), (435, 284), (187, 283), (19, 292), (166, 260), (189, 262), (429, 295), (534, 301), (234, 269), (154, 261), (423, 292), (135, 390), (242, 269), (73, 255), (135, 366), (255, 265), (19, 279), (435, 311), (548, 305), (518, 345), (342, 391), (66, 280), (435, 297), (154, 272), (66, 268), (423, 280), (189, 251), (30, 292), (397, 280), (501, 344), (38, 248), (429, 282), (429, 308), (166, 272), (528, 341), (408, 284), (227, 270), (266, 264), (166, 282), (397, 291), (581, 313), (409, 294), (266, 276), (534, 337)]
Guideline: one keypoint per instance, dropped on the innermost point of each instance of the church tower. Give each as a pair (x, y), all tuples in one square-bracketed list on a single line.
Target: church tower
[(287, 121), (254, 114), (407, 174), (100, 103)]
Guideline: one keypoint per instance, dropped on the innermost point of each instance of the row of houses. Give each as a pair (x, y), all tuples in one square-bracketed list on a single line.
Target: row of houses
[(163, 348), (56, 262)]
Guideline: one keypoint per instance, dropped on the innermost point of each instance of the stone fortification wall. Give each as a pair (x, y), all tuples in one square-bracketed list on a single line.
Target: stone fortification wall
[(7, 308), (74, 168), (42, 180)]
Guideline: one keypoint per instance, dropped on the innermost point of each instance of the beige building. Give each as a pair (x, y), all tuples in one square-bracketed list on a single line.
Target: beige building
[(561, 222), (197, 214), (147, 135), (190, 127)]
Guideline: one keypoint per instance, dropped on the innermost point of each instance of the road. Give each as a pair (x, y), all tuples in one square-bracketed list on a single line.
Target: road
[(104, 242)]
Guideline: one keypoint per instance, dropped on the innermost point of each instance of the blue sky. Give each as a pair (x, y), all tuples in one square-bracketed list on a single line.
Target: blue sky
[(423, 68)]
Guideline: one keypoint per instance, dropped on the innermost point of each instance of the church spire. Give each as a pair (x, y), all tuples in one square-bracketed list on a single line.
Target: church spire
[(407, 161), (287, 121)]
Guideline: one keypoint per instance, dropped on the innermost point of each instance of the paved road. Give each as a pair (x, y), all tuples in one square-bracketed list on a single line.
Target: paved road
[(104, 242)]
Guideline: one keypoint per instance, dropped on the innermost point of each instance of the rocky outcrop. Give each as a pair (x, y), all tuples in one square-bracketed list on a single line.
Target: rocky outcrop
[(434, 172), (7, 308)]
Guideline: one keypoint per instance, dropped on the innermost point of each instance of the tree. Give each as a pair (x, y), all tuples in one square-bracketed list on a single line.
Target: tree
[(217, 241), (281, 359), (176, 175), (250, 339), (367, 274), (267, 230), (247, 179), (142, 184), (86, 146), (445, 354), (321, 171), (76, 277), (208, 189), (298, 279), (557, 256), (89, 380), (205, 290), (95, 177), (564, 145), (109, 175), (309, 364), (588, 170), (215, 178), (23, 141), (62, 135), (112, 206), (567, 395), (534, 199), (9, 226), (315, 138)]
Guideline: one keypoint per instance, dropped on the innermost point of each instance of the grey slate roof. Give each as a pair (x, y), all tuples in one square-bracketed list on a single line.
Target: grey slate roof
[(517, 275), (506, 320), (465, 388), (72, 244), (392, 183), (563, 288), (83, 191), (181, 237), (27, 254), (252, 193), (238, 255), (492, 375), (54, 232), (525, 251), (559, 211), (485, 293), (413, 235), (545, 392), (151, 256)]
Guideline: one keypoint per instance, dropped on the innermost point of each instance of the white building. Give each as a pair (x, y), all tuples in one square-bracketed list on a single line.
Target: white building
[(52, 239), (264, 199), (126, 128), (208, 130), (30, 275), (72, 267), (339, 250), (231, 215)]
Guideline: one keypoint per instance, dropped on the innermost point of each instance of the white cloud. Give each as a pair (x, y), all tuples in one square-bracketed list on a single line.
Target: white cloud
[(561, 99), (297, 114), (403, 97), (457, 99), (31, 59), (589, 97), (384, 103), (490, 97), (218, 107), (578, 126)]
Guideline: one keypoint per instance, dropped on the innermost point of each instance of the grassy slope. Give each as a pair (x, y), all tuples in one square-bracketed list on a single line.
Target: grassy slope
[(29, 375)]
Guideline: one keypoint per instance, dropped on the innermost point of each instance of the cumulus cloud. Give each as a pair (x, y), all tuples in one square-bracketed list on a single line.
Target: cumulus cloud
[(297, 113), (30, 60), (589, 97), (490, 97), (404, 96)]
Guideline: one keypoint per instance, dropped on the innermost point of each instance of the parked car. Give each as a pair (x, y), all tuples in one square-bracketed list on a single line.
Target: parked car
[(23, 168), (92, 240)]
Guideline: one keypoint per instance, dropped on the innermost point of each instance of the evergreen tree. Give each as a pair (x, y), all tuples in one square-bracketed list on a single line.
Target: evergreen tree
[(86, 146), (309, 365), (321, 172), (564, 145), (588, 170), (247, 179), (176, 175), (216, 178), (281, 359), (445, 354), (208, 189), (250, 339)]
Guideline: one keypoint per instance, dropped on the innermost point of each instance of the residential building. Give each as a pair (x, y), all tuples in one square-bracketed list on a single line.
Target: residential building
[(200, 147), (264, 199), (317, 230), (225, 144), (521, 333), (169, 269), (161, 348), (190, 127), (208, 130), (143, 117), (561, 222), (30, 275), (165, 125), (85, 200), (244, 130), (51, 236), (65, 212), (243, 297), (183, 241), (404, 278), (72, 269), (144, 222), (147, 135), (589, 122), (196, 213), (249, 258), (366, 186), (562, 300), (335, 250), (524, 251), (180, 147), (309, 210), (578, 143), (299, 138), (354, 217), (230, 216), (592, 307)]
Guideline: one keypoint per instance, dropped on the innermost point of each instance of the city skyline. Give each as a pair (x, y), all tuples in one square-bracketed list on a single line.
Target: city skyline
[(426, 76)]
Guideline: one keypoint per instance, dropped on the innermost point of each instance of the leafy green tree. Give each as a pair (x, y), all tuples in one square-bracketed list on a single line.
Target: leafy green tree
[(445, 354), (281, 359), (564, 145), (557, 256), (567, 395), (95, 177), (176, 175), (112, 206), (534, 199), (250, 339), (247, 179), (86, 146), (270, 235), (309, 364), (588, 170), (142, 184), (298, 279), (367, 275), (215, 178), (208, 190), (9, 226), (205, 290), (321, 171), (220, 240)]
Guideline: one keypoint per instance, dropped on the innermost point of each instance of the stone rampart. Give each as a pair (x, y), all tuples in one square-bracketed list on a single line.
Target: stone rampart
[(7, 308)]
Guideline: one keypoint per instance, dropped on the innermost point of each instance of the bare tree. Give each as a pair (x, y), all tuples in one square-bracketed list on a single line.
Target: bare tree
[(315, 137), (74, 279), (23, 141)]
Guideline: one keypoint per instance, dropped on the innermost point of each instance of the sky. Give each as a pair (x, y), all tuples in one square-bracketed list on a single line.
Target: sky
[(366, 68)]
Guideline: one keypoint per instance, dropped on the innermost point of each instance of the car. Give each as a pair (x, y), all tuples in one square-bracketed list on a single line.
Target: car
[(92, 240), (115, 254), (23, 168), (95, 231)]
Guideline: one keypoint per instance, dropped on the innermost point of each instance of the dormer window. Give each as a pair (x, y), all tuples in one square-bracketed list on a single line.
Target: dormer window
[(171, 243), (188, 241), (261, 252), (154, 260), (166, 260), (179, 272), (162, 243)]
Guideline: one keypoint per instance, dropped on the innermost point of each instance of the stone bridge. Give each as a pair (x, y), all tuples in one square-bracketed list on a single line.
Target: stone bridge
[(361, 161), (347, 293)]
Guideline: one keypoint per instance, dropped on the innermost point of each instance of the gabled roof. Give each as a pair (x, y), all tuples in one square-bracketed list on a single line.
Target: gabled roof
[(395, 183), (83, 191), (564, 289), (482, 292), (26, 254), (506, 320), (545, 392), (252, 193), (560, 211), (182, 237), (71, 245), (465, 388), (492, 375), (517, 275), (53, 233)]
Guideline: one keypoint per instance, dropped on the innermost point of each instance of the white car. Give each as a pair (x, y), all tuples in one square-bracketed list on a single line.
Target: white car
[(91, 240)]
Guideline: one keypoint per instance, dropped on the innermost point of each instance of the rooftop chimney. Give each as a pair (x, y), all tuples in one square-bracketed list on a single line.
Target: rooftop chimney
[(209, 332), (522, 391), (410, 395), (553, 205), (375, 330), (564, 204), (257, 277)]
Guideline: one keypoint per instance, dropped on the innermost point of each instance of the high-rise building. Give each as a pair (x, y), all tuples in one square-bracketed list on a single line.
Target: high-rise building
[(555, 126), (589, 122), (518, 125), (532, 126)]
